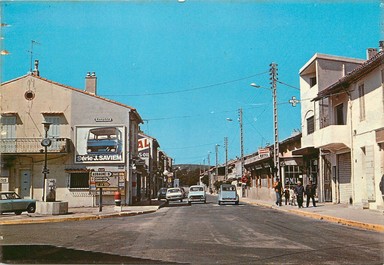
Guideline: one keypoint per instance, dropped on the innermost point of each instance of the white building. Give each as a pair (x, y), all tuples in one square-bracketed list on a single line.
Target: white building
[(353, 141), (343, 121), (316, 75)]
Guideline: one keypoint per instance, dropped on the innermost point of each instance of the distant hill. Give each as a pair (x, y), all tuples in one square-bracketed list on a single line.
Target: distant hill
[(190, 167)]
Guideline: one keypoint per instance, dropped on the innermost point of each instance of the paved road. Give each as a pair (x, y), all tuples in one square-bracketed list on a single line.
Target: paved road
[(197, 234)]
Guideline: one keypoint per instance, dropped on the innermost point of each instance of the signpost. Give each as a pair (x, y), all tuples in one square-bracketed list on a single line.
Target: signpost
[(107, 180)]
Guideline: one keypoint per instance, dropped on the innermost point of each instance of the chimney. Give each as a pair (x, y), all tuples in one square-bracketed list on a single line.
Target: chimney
[(381, 46), (36, 70), (371, 52), (90, 83)]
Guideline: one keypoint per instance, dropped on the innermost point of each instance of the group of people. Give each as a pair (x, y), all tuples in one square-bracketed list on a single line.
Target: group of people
[(295, 194)]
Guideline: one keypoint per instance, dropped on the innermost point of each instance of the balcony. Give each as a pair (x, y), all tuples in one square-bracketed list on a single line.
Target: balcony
[(33, 145), (332, 137)]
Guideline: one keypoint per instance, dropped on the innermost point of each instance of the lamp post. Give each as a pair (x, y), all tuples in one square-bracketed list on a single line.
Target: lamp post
[(276, 158), (45, 142)]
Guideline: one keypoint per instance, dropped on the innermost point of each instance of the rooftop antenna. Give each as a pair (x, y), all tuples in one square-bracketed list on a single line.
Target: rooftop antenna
[(33, 42)]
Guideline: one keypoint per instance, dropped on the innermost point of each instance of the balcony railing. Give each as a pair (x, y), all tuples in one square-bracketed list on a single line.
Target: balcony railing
[(33, 145)]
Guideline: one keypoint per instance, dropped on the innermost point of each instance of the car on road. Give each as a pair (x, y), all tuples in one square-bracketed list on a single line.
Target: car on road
[(196, 194), (161, 193), (174, 194), (10, 201), (228, 193)]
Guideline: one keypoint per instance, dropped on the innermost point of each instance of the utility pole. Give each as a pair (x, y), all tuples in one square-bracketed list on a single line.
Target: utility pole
[(241, 141), (217, 160), (209, 172), (276, 152), (226, 157)]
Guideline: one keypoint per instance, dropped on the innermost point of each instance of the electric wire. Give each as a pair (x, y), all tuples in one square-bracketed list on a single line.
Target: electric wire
[(184, 90)]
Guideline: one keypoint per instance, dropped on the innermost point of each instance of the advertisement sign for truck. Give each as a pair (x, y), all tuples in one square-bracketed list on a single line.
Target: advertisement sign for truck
[(102, 144)]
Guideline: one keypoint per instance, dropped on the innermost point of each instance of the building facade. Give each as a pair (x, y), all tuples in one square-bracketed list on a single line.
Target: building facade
[(315, 76), (352, 142), (94, 141)]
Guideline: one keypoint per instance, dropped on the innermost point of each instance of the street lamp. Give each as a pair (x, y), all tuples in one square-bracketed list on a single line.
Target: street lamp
[(276, 158), (45, 142)]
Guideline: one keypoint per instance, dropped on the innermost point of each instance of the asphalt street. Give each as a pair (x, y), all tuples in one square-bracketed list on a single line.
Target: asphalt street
[(197, 234)]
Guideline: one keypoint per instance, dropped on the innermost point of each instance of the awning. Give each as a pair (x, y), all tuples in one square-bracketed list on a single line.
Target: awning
[(380, 136), (9, 113), (77, 170), (305, 151), (52, 113)]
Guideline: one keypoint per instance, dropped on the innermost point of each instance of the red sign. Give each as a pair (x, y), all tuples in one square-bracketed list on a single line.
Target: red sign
[(143, 143)]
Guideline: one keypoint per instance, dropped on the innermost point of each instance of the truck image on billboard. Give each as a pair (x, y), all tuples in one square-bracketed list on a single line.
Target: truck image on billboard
[(100, 144)]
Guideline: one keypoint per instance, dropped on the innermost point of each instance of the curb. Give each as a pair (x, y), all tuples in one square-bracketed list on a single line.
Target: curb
[(85, 217), (371, 227)]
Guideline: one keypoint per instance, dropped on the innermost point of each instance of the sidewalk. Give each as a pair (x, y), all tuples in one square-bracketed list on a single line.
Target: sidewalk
[(80, 213), (336, 213)]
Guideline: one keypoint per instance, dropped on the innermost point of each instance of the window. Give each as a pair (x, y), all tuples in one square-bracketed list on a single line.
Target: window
[(339, 115), (362, 102), (8, 126), (310, 125), (291, 174), (79, 181), (312, 81), (54, 129)]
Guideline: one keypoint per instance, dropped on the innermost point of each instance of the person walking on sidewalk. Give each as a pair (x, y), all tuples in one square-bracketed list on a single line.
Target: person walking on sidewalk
[(299, 191), (292, 197), (310, 190), (286, 195), (278, 187)]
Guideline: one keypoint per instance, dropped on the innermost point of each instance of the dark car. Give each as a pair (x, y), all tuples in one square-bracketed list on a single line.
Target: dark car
[(161, 193), (10, 201)]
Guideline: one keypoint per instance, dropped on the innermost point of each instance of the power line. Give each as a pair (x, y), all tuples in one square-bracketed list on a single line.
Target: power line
[(184, 90)]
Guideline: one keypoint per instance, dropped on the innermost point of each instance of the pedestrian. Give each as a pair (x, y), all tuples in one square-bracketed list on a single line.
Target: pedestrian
[(286, 195), (310, 190), (278, 187), (299, 191), (292, 197)]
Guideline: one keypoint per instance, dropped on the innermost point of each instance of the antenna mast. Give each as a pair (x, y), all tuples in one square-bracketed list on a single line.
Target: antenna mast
[(33, 42)]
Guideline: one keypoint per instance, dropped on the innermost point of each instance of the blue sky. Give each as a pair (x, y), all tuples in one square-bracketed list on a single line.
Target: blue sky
[(186, 67)]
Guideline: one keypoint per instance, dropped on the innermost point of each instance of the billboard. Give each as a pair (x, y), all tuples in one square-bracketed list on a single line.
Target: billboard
[(100, 144), (144, 147)]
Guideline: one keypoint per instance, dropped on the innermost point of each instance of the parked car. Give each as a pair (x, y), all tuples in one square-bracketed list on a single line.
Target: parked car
[(161, 193), (174, 194), (228, 193), (11, 202), (196, 194)]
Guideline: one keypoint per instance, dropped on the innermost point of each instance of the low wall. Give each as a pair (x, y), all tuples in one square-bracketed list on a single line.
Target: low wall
[(51, 208), (264, 194)]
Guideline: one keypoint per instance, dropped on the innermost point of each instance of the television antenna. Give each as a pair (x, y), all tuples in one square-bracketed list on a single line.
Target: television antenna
[(33, 42)]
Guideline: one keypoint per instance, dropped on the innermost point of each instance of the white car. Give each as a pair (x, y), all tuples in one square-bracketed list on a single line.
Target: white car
[(196, 194), (228, 193), (174, 194)]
